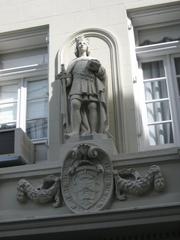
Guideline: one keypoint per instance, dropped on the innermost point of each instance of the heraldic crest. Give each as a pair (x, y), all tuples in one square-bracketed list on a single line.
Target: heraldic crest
[(87, 179), (88, 182)]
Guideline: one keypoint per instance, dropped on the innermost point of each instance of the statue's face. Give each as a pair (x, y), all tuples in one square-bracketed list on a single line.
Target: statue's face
[(82, 46)]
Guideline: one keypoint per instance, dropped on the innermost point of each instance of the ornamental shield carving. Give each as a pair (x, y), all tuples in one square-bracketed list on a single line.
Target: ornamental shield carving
[(87, 179)]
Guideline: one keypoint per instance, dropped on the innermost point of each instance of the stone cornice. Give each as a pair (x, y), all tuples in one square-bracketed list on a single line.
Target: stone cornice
[(146, 159), (103, 220)]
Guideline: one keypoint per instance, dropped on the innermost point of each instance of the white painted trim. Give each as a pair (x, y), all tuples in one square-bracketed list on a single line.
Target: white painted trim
[(23, 105), (175, 99), (27, 72), (158, 49)]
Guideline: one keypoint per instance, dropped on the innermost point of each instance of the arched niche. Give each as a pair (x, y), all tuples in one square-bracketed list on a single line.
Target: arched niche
[(104, 47)]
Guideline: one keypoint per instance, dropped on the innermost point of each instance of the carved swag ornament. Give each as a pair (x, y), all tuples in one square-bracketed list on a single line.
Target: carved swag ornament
[(88, 182), (49, 191)]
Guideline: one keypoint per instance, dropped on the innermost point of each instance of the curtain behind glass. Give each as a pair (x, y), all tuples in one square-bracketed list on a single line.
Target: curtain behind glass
[(157, 103)]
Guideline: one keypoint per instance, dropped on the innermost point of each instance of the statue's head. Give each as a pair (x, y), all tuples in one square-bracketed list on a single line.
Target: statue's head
[(82, 44)]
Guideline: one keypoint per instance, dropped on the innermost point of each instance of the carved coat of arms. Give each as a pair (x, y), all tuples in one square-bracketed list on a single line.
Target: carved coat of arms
[(87, 179), (88, 182)]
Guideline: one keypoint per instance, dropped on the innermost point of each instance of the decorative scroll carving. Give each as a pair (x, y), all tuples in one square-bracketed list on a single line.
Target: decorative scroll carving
[(49, 191), (87, 179), (129, 181)]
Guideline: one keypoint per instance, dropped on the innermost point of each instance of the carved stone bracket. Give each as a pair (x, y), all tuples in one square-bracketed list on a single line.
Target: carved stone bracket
[(88, 182)]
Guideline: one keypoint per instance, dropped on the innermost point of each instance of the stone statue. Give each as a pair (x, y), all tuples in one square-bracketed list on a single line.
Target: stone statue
[(84, 85)]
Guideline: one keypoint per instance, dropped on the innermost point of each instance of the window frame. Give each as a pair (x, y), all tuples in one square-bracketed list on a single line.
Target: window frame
[(19, 41), (21, 80), (142, 114), (32, 79), (8, 83), (144, 19)]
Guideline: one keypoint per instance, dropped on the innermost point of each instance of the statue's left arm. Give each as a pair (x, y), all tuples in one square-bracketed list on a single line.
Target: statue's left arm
[(101, 74), (96, 67)]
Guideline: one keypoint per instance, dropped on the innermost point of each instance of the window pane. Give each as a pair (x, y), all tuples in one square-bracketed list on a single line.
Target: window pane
[(153, 70), (8, 93), (158, 111), (37, 109), (177, 65), (178, 82), (158, 35), (37, 89), (160, 134), (177, 68), (37, 128), (24, 58), (155, 90), (8, 112)]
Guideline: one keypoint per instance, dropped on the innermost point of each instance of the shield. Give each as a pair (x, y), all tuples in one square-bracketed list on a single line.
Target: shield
[(86, 186), (87, 183)]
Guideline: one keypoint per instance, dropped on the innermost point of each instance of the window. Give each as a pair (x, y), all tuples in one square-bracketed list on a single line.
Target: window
[(24, 83), (37, 109), (8, 105), (157, 85)]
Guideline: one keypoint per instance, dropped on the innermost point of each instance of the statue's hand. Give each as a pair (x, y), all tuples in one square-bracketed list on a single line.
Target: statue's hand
[(61, 76), (93, 65)]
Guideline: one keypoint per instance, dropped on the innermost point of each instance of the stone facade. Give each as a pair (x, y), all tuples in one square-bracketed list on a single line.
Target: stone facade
[(128, 169)]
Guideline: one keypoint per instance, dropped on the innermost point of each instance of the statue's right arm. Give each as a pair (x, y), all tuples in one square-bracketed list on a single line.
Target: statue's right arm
[(68, 80), (69, 73), (65, 75)]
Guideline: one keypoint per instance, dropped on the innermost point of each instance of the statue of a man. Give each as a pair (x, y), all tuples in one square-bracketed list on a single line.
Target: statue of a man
[(84, 82)]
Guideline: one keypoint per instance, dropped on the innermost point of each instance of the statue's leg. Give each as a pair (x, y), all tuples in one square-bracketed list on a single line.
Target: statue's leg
[(92, 110), (75, 115)]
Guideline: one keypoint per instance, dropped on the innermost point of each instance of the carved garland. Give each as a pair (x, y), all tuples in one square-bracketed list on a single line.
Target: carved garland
[(129, 181), (49, 191), (90, 166)]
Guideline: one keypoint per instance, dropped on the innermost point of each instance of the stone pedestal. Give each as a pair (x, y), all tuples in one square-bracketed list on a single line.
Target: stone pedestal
[(100, 140)]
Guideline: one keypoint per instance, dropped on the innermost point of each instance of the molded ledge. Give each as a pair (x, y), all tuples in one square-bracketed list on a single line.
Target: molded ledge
[(103, 220), (171, 155)]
